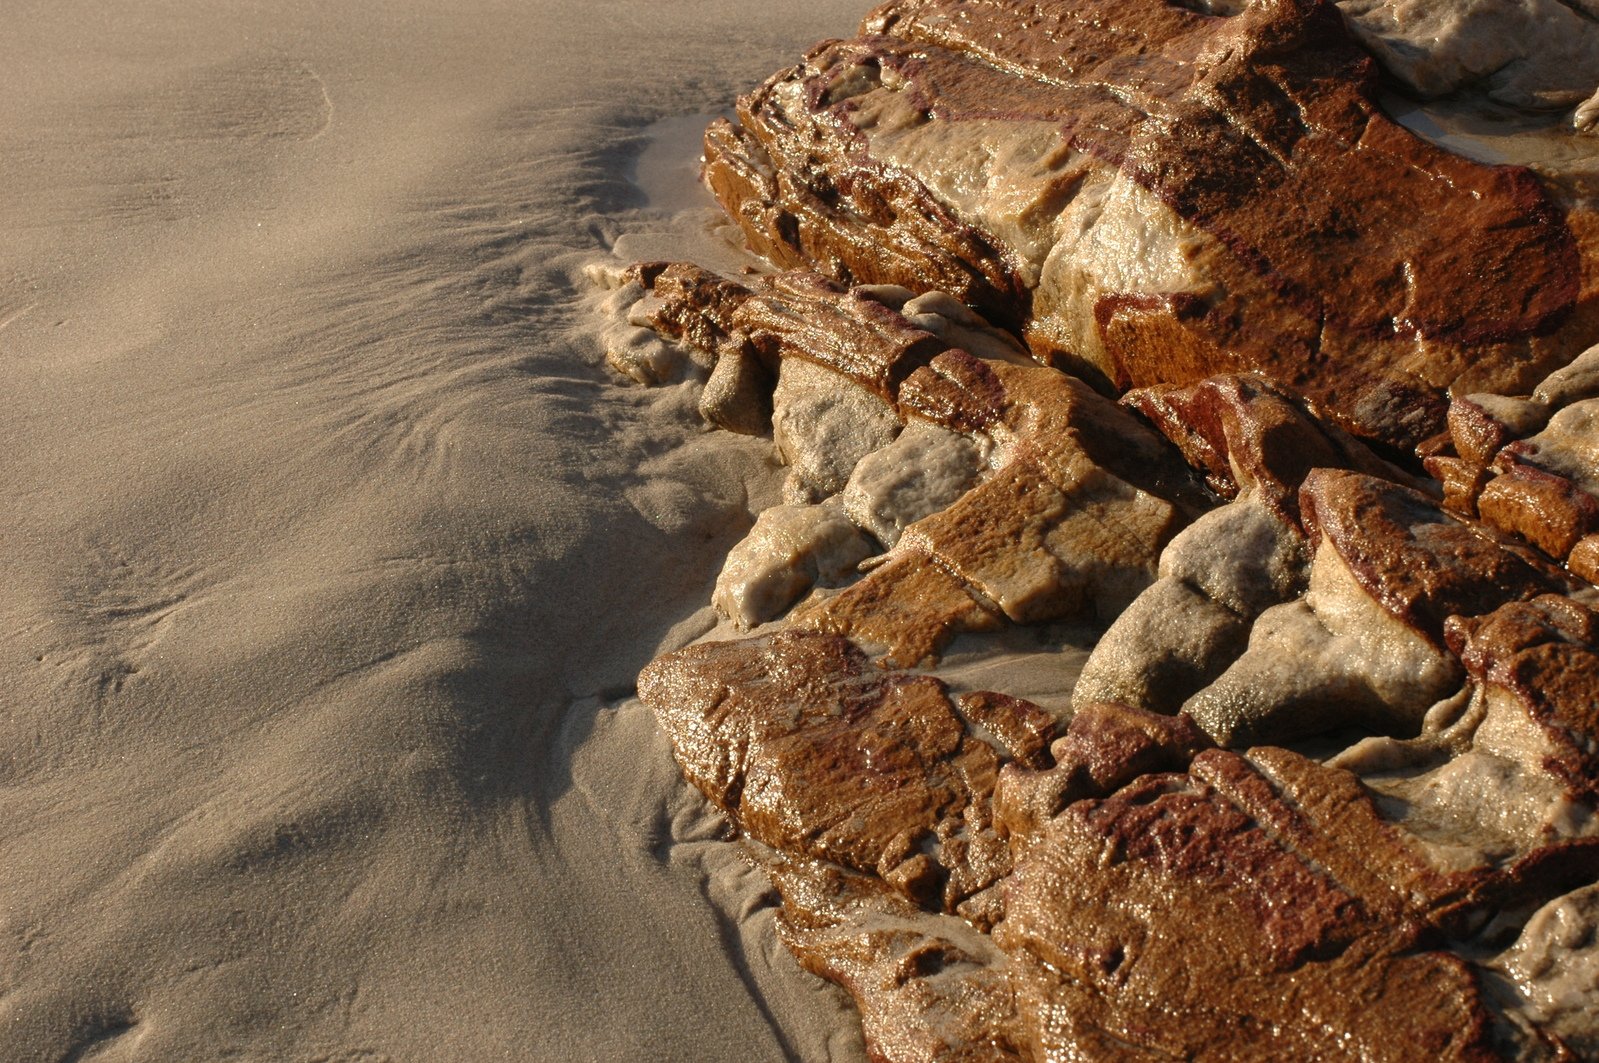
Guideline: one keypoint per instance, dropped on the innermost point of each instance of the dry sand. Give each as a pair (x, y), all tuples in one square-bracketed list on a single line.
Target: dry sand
[(331, 551)]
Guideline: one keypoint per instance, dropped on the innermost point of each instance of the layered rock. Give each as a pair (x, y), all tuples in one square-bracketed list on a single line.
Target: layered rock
[(1070, 522), (1254, 906), (1526, 464), (814, 751), (1159, 194), (1017, 494), (1131, 889), (1255, 444), (1327, 786)]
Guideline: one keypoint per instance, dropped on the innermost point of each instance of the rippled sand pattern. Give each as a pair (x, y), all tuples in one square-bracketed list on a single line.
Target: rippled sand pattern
[(331, 551)]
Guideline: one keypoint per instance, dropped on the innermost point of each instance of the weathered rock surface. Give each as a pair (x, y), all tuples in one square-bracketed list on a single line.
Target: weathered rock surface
[(1255, 445), (1365, 645), (1537, 664), (1207, 205), (1130, 890), (1529, 465), (814, 751), (1071, 522), (924, 470), (1159, 194), (1539, 55), (791, 549)]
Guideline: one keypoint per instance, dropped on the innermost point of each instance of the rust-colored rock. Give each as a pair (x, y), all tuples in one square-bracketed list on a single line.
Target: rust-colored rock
[(1105, 747), (787, 315), (1542, 658), (690, 303), (1214, 212), (1583, 561), (1422, 565), (1253, 908), (907, 609), (814, 751), (1021, 727), (1249, 435), (1527, 466), (930, 988), (1544, 508), (1071, 524), (803, 315), (1301, 233)]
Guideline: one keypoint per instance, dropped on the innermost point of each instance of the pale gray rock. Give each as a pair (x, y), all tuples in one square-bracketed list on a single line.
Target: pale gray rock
[(823, 424), (1216, 576), (1241, 554), (790, 550), (1170, 642), (1335, 656), (737, 396), (922, 471), (1571, 383), (1529, 54), (1554, 969)]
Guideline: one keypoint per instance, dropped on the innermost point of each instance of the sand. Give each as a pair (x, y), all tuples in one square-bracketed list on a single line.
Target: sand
[(331, 550)]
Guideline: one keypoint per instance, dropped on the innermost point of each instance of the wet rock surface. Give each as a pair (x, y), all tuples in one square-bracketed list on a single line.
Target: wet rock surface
[(1159, 195), (1326, 786)]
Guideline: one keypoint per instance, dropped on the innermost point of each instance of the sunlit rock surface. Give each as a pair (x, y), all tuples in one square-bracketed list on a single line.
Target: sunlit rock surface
[(1326, 784)]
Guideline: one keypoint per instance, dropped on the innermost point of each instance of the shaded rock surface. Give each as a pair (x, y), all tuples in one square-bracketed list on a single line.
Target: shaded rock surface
[(813, 750)]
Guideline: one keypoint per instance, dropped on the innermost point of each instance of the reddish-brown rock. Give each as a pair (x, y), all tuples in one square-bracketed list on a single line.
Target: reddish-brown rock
[(787, 315), (1422, 565), (1249, 435), (1105, 747), (814, 751), (930, 988), (1254, 907), (1307, 236), (1542, 657), (1070, 525)]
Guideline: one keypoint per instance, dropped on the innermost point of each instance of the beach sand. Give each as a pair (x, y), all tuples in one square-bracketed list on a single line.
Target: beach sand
[(331, 549)]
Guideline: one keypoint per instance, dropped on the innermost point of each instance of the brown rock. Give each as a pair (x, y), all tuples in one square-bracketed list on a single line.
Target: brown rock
[(1583, 561), (1462, 482), (930, 988), (1542, 656), (1021, 727), (1481, 425), (814, 751), (787, 315), (906, 610), (1422, 565), (1105, 747), (1249, 435), (1305, 234), (1544, 508), (803, 315), (1220, 914), (690, 304), (1072, 524)]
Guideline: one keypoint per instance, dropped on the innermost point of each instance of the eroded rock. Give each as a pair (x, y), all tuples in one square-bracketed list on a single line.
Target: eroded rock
[(1365, 645), (1244, 909), (791, 549), (1152, 194), (925, 469), (816, 752), (1071, 522), (1159, 194)]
